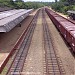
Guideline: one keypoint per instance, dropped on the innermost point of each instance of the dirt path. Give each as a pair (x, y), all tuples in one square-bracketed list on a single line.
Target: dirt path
[(63, 51)]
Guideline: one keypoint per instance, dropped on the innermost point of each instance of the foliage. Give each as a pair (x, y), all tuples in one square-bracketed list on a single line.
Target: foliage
[(8, 3), (34, 5), (21, 4), (57, 6), (63, 5)]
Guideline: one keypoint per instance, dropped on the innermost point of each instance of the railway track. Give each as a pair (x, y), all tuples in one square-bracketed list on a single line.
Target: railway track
[(53, 63), (19, 59)]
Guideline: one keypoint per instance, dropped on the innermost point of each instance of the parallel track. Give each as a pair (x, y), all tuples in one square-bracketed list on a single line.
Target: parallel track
[(18, 62), (53, 63)]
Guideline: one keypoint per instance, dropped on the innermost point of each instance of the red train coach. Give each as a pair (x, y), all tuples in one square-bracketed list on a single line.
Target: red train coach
[(66, 27)]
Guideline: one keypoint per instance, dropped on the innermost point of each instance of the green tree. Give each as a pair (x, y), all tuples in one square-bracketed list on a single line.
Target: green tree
[(69, 1)]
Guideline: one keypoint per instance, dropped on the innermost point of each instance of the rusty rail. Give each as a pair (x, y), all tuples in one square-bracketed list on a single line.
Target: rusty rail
[(53, 64)]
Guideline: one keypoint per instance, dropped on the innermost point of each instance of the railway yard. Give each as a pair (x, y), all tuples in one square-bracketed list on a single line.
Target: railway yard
[(40, 45)]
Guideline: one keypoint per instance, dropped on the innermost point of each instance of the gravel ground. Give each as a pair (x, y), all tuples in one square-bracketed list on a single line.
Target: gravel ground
[(62, 49), (34, 64)]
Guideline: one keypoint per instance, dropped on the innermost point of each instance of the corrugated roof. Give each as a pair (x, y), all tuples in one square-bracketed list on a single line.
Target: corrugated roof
[(10, 19)]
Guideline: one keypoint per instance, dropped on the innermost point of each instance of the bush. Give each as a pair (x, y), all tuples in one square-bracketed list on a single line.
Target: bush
[(60, 7), (57, 6)]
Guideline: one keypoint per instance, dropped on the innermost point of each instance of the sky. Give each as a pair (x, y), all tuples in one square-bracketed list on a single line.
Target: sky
[(40, 0)]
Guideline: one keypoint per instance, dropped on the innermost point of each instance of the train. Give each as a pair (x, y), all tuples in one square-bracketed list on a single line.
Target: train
[(65, 26)]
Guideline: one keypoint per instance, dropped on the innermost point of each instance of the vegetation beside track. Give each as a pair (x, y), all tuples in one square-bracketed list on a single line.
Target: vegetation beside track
[(63, 5), (60, 5)]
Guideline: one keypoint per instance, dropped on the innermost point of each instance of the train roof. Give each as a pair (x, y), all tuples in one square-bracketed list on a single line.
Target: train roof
[(9, 19)]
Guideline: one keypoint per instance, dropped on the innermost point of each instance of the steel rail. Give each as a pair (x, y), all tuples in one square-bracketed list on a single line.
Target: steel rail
[(18, 62), (15, 47), (53, 66)]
